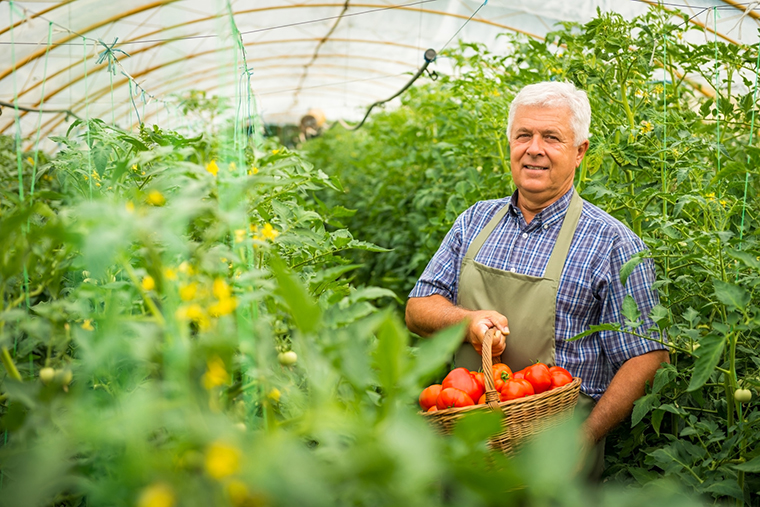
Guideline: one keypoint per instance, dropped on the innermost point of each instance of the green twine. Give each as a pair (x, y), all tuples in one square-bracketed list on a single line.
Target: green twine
[(87, 115), (42, 103), (751, 135), (663, 173), (717, 92)]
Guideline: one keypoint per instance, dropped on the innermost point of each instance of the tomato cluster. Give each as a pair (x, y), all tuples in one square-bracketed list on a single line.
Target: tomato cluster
[(462, 388)]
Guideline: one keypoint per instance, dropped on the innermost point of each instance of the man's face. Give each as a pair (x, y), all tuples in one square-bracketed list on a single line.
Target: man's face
[(543, 153)]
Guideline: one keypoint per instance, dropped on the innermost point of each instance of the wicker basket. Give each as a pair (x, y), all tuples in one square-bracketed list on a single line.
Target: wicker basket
[(523, 417)]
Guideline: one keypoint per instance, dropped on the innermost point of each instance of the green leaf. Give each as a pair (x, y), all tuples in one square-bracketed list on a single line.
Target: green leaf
[(477, 426), (631, 309), (391, 355), (657, 416), (727, 487), (752, 466), (642, 407), (436, 351), (371, 293), (709, 353), (663, 377), (660, 315), (731, 295), (630, 264), (304, 310), (595, 329)]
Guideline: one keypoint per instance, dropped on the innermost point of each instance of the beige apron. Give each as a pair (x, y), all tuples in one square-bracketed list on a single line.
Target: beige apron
[(528, 302)]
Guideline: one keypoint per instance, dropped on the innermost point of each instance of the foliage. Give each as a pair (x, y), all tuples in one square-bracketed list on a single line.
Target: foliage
[(669, 156)]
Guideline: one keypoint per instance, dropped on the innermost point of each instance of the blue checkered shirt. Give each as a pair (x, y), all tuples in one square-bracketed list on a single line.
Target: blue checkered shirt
[(589, 291)]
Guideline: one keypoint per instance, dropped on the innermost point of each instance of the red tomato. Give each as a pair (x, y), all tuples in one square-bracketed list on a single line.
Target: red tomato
[(453, 397), (460, 378), (539, 377), (516, 388), (482, 399), (432, 409), (501, 372), (481, 381), (519, 374), (429, 395), (560, 376)]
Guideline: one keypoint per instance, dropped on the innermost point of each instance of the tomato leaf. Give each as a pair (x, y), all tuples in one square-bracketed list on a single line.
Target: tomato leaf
[(731, 295), (436, 351), (752, 466), (631, 311), (726, 487), (390, 357), (477, 426), (709, 353), (595, 329), (304, 310), (631, 264), (642, 407)]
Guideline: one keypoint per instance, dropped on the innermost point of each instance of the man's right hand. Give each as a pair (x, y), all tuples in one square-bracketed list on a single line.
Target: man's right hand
[(480, 322), (430, 314)]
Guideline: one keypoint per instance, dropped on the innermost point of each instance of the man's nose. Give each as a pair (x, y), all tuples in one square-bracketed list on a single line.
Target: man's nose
[(536, 147)]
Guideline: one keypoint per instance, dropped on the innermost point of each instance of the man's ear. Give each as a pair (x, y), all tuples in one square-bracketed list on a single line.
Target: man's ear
[(582, 149)]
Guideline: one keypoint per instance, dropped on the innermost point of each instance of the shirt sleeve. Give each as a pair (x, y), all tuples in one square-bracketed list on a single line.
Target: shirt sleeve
[(621, 346), (441, 276)]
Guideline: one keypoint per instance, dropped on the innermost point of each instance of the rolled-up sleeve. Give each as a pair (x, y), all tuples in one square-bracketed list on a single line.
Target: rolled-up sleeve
[(441, 276), (620, 346)]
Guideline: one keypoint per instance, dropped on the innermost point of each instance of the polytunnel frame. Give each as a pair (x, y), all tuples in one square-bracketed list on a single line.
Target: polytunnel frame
[(71, 36)]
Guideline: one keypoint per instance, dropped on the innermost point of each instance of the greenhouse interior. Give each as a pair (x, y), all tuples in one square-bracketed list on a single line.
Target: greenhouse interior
[(384, 253)]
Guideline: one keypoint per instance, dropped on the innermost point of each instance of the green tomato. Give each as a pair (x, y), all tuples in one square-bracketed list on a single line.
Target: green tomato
[(47, 375), (742, 395), (288, 358)]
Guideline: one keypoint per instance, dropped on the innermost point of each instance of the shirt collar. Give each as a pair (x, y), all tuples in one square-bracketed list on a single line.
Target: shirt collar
[(548, 215)]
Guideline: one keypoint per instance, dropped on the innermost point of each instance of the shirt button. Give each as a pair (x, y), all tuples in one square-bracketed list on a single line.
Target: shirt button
[(525, 235), (512, 270), (546, 226)]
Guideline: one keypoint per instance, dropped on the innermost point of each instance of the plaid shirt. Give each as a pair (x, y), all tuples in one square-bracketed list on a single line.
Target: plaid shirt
[(589, 291)]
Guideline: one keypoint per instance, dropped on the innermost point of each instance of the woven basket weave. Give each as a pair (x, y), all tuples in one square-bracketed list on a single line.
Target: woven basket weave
[(523, 417)]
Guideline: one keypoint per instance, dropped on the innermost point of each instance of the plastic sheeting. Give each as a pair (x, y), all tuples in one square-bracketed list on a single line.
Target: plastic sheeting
[(120, 61)]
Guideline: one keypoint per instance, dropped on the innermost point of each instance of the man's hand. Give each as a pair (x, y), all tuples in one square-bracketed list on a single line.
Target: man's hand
[(480, 322), (427, 315), (626, 387)]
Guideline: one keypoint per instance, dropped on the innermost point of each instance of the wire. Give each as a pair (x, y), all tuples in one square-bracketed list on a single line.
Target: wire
[(209, 36), (463, 25)]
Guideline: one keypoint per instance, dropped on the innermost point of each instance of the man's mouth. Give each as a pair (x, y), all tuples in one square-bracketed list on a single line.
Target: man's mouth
[(535, 167)]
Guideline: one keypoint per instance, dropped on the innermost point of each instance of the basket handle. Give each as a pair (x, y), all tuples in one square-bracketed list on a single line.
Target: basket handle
[(492, 395)]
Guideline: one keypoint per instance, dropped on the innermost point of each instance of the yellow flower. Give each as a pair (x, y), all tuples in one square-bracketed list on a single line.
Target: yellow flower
[(134, 167), (156, 198), (233, 166), (216, 374), (148, 283), (239, 235), (87, 325), (658, 89), (274, 395), (267, 233), (97, 184), (193, 313), (186, 268), (222, 460), (170, 273), (253, 170), (223, 307), (212, 167), (646, 127), (188, 291), (275, 152), (95, 175), (220, 289), (157, 494), (30, 160)]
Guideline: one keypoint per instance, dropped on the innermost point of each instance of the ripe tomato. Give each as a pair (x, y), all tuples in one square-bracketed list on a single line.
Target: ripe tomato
[(429, 395), (482, 399), (560, 376), (519, 374), (460, 378), (539, 377), (432, 409), (481, 381), (501, 372), (516, 388), (453, 397)]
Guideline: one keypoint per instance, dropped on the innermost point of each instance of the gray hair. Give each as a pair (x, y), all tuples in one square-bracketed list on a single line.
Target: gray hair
[(556, 94)]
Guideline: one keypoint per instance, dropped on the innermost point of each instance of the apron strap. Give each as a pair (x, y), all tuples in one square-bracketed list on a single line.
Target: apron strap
[(481, 238), (565, 238)]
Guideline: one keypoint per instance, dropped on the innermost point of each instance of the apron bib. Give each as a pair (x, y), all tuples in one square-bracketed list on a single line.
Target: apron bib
[(528, 302)]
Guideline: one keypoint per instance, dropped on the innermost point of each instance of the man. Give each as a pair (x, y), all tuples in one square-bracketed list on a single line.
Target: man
[(543, 265)]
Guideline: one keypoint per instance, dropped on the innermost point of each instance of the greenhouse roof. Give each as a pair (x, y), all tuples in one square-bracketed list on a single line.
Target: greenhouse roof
[(122, 60)]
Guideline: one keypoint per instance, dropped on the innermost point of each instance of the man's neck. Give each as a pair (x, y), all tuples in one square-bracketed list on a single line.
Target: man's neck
[(531, 207)]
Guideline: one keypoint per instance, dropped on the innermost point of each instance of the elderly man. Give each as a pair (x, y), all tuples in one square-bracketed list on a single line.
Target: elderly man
[(543, 265)]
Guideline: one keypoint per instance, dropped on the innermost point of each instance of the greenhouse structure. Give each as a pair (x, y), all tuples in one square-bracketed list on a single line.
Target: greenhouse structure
[(376, 253)]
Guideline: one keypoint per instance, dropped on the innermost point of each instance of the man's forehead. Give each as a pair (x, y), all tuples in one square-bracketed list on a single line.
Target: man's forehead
[(544, 117)]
